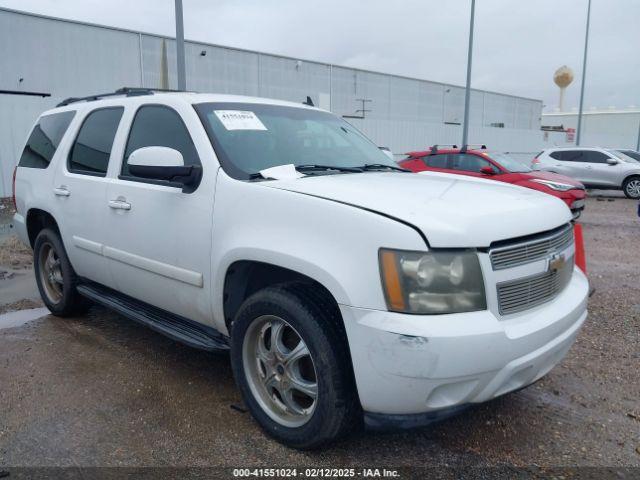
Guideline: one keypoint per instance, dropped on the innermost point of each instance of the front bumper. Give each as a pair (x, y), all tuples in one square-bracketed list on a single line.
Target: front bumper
[(416, 364)]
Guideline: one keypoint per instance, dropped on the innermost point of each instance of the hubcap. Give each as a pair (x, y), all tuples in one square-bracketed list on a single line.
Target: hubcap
[(280, 371), (633, 188), (51, 273)]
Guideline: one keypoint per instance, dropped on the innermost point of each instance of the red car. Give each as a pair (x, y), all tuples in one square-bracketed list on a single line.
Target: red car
[(497, 166)]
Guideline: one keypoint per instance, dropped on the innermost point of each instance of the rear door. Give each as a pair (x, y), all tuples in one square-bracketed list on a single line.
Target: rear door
[(568, 162), (80, 187), (159, 248)]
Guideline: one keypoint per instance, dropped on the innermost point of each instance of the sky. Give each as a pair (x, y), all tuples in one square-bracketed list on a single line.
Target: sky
[(518, 44)]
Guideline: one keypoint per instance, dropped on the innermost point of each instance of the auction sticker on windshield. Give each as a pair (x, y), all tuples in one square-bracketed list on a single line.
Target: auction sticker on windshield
[(239, 120)]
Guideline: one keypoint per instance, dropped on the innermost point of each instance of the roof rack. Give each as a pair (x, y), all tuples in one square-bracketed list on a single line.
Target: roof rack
[(126, 91), (465, 147), (434, 149)]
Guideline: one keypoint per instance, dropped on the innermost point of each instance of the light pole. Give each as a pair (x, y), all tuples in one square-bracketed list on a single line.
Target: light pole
[(467, 94), (584, 71), (182, 77)]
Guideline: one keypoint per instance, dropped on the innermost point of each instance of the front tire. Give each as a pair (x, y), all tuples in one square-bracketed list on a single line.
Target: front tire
[(55, 277), (291, 362), (631, 187)]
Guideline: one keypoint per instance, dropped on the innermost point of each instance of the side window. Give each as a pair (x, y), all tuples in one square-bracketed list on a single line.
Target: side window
[(44, 140), (572, 156), (436, 161), (90, 152), (557, 155), (159, 126), (468, 163), (592, 156)]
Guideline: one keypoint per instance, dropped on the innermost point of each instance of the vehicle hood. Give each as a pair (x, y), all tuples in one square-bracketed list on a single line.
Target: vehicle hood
[(554, 177), (450, 210)]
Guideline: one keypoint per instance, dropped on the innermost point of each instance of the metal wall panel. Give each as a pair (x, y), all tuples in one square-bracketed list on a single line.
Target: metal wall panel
[(66, 59)]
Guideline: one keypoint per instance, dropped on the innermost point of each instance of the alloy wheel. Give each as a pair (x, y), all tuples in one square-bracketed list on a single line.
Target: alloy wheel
[(51, 273), (280, 371)]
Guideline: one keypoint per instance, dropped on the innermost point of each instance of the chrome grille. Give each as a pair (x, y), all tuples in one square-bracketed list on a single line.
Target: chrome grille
[(531, 250), (518, 295)]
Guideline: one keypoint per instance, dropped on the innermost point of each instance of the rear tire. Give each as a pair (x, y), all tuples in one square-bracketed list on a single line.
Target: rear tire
[(631, 187), (302, 405), (55, 276)]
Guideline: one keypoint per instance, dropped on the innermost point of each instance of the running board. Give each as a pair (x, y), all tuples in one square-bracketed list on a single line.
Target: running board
[(173, 326)]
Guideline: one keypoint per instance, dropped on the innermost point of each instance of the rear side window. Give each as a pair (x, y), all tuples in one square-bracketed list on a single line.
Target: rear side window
[(91, 151), (569, 155), (159, 126), (44, 139), (436, 161)]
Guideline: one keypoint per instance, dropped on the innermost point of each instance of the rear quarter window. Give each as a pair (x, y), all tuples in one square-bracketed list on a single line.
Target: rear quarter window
[(44, 139)]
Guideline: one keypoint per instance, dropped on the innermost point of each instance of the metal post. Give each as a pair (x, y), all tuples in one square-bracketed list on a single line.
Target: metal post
[(467, 95), (638, 143), (584, 71), (182, 77)]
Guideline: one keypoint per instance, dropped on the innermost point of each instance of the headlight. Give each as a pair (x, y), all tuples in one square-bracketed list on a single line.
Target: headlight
[(561, 187), (436, 282)]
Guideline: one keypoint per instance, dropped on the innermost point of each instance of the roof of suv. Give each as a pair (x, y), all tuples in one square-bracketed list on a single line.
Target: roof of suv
[(158, 96)]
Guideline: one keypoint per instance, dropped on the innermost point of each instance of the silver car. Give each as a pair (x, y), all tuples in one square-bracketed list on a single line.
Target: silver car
[(594, 167)]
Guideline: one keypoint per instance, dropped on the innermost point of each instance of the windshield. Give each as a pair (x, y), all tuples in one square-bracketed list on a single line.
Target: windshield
[(509, 163), (249, 138), (629, 156)]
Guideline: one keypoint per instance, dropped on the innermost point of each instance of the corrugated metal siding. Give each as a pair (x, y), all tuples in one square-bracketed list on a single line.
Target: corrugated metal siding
[(73, 59)]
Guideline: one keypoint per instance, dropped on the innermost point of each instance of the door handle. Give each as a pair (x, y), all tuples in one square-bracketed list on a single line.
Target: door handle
[(119, 205), (61, 191)]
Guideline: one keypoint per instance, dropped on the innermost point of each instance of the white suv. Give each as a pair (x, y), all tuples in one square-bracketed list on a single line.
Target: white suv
[(594, 167), (348, 291)]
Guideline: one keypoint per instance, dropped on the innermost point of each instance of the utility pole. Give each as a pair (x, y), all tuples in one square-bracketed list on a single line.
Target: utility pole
[(467, 94), (584, 71), (182, 76)]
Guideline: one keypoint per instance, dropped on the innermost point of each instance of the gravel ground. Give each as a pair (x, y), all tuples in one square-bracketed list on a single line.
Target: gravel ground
[(102, 391)]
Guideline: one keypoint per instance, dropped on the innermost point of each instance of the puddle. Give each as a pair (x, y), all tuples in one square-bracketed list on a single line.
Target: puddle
[(15, 319)]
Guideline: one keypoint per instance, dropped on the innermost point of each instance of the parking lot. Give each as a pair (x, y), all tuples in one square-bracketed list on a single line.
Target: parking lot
[(100, 390)]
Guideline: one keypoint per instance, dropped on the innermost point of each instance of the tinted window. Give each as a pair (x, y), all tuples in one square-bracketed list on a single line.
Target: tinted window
[(158, 126), (569, 155), (436, 161), (91, 150), (44, 140), (469, 163), (594, 157)]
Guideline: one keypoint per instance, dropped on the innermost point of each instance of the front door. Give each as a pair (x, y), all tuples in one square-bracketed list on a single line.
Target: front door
[(159, 247)]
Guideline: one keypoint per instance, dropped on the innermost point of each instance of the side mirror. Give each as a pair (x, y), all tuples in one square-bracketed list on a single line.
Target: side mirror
[(162, 163), (487, 171), (613, 161)]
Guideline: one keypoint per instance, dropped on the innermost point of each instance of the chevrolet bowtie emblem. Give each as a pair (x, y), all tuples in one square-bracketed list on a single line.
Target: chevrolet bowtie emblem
[(556, 262)]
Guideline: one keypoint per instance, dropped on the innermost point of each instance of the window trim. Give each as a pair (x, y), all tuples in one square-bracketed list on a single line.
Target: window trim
[(152, 181), (75, 139)]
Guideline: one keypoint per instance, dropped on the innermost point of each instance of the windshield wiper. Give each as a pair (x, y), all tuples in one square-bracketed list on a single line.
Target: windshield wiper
[(371, 167), (302, 168)]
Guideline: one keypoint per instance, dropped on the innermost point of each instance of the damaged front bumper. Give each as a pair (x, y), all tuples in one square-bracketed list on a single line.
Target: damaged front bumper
[(416, 369)]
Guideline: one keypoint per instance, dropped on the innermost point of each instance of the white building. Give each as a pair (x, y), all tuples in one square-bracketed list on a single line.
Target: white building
[(601, 128), (71, 59)]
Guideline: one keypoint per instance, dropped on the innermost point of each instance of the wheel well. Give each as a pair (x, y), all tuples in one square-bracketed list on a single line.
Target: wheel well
[(244, 278), (36, 221), (629, 177)]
